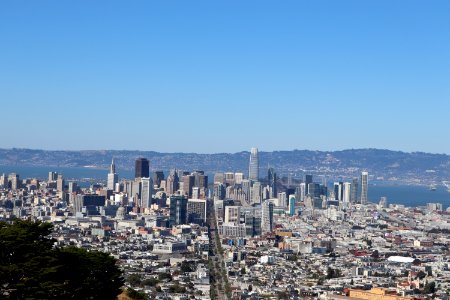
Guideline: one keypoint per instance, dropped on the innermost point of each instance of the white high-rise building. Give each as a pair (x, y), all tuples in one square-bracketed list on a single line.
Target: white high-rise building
[(253, 170), (347, 192), (267, 216), (282, 199), (146, 192), (112, 177), (364, 187), (255, 193), (238, 177)]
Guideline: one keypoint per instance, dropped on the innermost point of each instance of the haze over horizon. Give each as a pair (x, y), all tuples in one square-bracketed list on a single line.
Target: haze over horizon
[(222, 77), (219, 152)]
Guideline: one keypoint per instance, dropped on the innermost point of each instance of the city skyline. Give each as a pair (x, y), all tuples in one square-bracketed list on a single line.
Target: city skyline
[(325, 76)]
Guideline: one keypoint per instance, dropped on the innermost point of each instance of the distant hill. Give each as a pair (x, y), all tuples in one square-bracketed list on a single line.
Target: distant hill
[(391, 165)]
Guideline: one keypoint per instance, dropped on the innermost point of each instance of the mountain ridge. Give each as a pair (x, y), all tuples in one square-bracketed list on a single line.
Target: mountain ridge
[(384, 164)]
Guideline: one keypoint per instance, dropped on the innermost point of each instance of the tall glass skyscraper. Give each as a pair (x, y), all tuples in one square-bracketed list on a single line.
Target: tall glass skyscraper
[(253, 170), (142, 168), (364, 187)]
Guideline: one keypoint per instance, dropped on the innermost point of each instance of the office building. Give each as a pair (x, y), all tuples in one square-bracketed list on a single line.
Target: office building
[(4, 181), (52, 176), (238, 177), (13, 181), (253, 172), (200, 179), (231, 214), (60, 183), (346, 193), (142, 168), (291, 206), (219, 191), (196, 211), (90, 201), (272, 178), (113, 178), (354, 191), (308, 180), (172, 183), (267, 216), (282, 199), (219, 178), (73, 187), (178, 210), (338, 191), (146, 191), (188, 184), (158, 176), (256, 193), (364, 187)]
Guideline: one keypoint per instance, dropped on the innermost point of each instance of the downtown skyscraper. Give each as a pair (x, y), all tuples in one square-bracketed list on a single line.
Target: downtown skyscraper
[(142, 168), (253, 169), (112, 177), (364, 187)]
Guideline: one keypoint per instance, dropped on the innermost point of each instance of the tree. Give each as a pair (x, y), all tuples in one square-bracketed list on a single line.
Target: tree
[(135, 295), (134, 279), (31, 268), (430, 288), (186, 267)]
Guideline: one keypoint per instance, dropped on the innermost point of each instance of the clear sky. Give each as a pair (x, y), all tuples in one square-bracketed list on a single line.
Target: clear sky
[(223, 76)]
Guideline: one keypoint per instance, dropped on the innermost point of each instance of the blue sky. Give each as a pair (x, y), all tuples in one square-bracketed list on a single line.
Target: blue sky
[(223, 76)]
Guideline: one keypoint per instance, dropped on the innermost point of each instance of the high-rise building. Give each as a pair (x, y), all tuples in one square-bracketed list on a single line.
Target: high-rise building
[(232, 214), (146, 192), (201, 180), (188, 184), (219, 178), (219, 191), (272, 178), (178, 210), (308, 180), (354, 191), (158, 176), (73, 187), (196, 211), (172, 182), (52, 176), (291, 206), (364, 187), (347, 192), (238, 177), (255, 193), (267, 216), (4, 181), (60, 183), (13, 181), (112, 177), (229, 178), (142, 168), (338, 191), (282, 199), (253, 170), (88, 200), (301, 192)]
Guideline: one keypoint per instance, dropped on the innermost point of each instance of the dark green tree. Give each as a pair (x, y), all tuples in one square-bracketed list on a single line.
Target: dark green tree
[(32, 268), (430, 288), (134, 279)]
